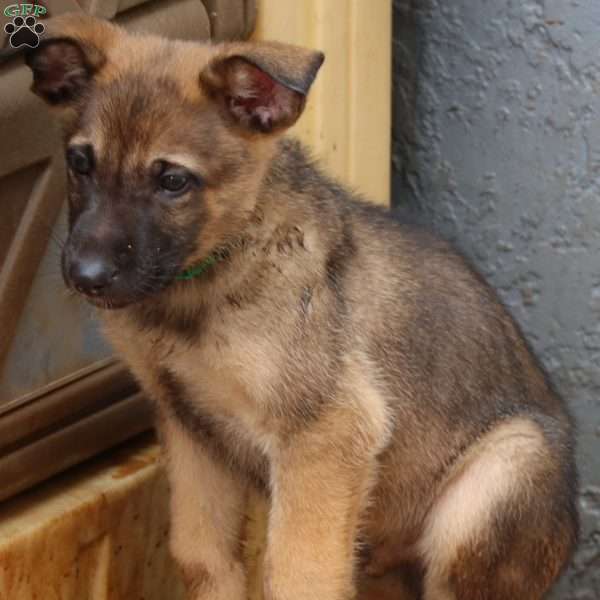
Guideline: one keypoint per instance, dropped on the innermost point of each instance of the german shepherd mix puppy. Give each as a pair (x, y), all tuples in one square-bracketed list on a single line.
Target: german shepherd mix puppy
[(293, 338)]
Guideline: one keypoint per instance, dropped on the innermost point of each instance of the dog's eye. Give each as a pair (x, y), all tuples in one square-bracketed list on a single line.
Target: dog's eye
[(174, 182), (79, 160)]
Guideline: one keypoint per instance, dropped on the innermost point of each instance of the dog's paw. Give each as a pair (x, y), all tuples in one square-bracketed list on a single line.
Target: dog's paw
[(24, 32)]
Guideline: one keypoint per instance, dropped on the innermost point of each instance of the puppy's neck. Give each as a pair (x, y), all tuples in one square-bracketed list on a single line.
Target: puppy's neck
[(272, 232)]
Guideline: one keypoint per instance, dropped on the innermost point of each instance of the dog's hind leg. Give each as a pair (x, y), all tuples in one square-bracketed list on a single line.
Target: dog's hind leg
[(503, 525)]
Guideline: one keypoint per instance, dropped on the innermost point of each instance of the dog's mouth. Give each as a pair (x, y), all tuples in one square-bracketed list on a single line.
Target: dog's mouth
[(121, 291), (116, 301), (110, 303), (124, 296)]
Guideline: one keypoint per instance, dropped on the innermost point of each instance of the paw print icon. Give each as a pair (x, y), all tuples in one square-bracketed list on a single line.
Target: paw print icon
[(24, 32)]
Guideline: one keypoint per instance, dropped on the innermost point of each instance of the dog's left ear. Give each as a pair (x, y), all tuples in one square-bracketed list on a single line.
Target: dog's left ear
[(261, 86)]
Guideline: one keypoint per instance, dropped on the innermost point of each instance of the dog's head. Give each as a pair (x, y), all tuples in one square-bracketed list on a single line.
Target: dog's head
[(166, 145)]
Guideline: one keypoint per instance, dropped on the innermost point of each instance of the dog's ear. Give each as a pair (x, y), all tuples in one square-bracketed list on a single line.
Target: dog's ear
[(68, 56), (261, 86)]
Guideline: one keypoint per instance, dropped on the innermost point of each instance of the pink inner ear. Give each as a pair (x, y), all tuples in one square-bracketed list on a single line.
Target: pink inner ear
[(260, 101), (262, 84)]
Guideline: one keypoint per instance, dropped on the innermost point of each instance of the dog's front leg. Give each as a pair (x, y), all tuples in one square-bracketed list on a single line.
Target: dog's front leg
[(320, 482), (207, 508)]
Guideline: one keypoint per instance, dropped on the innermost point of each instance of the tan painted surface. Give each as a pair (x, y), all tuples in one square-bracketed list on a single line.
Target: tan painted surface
[(348, 118)]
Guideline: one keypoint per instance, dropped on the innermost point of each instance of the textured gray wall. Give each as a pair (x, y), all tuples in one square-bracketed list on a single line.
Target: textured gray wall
[(497, 144)]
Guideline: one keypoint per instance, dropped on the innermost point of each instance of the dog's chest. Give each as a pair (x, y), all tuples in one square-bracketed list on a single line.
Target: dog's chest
[(225, 367), (232, 366)]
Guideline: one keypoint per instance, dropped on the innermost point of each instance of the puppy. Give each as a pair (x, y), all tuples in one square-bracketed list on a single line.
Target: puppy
[(295, 340)]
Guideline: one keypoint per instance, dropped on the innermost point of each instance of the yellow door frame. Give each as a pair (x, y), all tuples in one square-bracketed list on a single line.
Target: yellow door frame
[(347, 122)]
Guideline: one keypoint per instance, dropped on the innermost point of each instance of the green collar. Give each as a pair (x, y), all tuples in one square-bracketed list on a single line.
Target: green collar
[(197, 270)]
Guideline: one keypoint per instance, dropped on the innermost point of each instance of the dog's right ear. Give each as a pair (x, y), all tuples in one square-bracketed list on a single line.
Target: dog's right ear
[(68, 57)]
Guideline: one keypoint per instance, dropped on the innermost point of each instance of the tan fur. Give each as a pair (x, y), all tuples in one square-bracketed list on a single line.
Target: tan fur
[(354, 370)]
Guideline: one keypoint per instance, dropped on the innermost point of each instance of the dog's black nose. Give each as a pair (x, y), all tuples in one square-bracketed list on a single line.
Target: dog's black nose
[(92, 275)]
